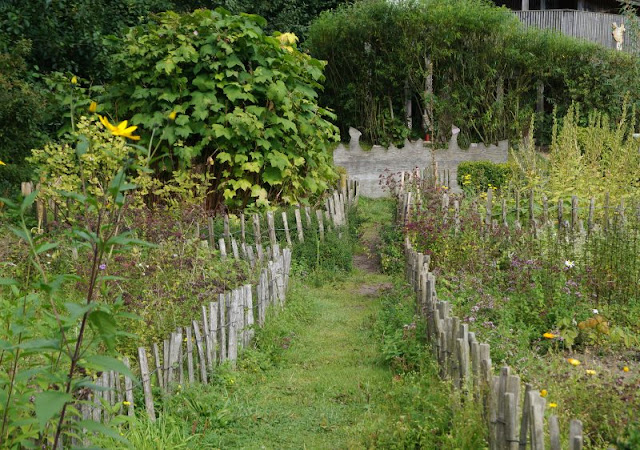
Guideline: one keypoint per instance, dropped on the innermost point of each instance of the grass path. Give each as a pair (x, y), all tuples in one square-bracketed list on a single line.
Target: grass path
[(330, 388), (328, 382)]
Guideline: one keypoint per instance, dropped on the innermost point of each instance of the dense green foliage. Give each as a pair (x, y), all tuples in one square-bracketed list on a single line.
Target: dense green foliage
[(21, 119), (244, 103), (486, 68), (67, 35), (282, 15), (480, 175)]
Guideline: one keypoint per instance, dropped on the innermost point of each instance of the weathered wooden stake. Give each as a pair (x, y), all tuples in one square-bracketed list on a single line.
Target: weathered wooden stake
[(146, 383)]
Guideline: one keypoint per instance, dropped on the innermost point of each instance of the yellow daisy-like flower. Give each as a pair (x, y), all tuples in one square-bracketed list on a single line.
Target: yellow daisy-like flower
[(74, 80), (549, 335), (172, 115), (573, 362), (591, 372), (93, 107), (625, 369), (553, 405), (126, 403), (543, 393), (121, 129), (2, 164)]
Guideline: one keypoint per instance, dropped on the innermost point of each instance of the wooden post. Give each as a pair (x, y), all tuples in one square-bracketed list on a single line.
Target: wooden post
[(227, 232), (207, 338), (234, 249), (212, 239), (213, 329), (128, 389), (560, 214), (554, 433), (285, 222), (299, 225), (232, 345), (575, 435), (223, 248), (249, 332), (574, 213), (222, 326), (536, 420), (504, 213), (200, 347), (156, 354), (190, 356), (146, 383), (243, 230), (256, 229), (489, 207), (524, 423), (165, 364), (272, 229), (517, 207), (307, 214), (320, 224)]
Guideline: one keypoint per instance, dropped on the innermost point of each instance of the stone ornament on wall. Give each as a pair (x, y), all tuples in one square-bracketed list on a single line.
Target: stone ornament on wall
[(367, 166), (618, 34)]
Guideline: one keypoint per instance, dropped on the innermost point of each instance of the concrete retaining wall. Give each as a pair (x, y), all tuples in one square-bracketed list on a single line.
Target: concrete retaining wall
[(367, 166)]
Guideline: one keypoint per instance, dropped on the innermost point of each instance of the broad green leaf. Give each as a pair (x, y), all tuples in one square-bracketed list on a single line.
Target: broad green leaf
[(105, 325), (272, 175), (48, 404), (28, 201), (223, 157), (8, 282)]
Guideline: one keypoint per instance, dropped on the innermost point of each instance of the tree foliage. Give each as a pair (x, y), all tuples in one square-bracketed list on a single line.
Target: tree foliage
[(244, 103), (486, 69), (67, 35)]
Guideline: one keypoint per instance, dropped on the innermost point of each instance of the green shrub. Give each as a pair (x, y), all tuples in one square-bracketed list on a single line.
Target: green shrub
[(242, 102), (477, 176), (21, 118), (486, 68)]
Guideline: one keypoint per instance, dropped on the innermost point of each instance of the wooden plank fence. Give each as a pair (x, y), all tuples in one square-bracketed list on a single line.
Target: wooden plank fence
[(515, 413), (225, 324)]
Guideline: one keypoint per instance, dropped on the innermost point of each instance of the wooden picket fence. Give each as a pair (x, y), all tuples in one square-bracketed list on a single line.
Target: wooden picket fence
[(515, 414), (225, 325), (334, 213)]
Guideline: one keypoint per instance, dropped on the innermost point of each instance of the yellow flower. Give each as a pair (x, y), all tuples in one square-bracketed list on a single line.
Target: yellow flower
[(543, 393), (549, 335), (121, 129), (74, 80), (2, 164), (573, 362), (625, 369), (553, 405), (126, 403), (591, 372), (172, 115), (93, 107)]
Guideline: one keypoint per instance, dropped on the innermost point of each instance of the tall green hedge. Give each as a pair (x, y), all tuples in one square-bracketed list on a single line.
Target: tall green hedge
[(486, 67)]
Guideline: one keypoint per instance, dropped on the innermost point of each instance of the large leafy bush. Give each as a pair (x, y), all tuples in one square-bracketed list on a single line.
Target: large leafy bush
[(244, 102)]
